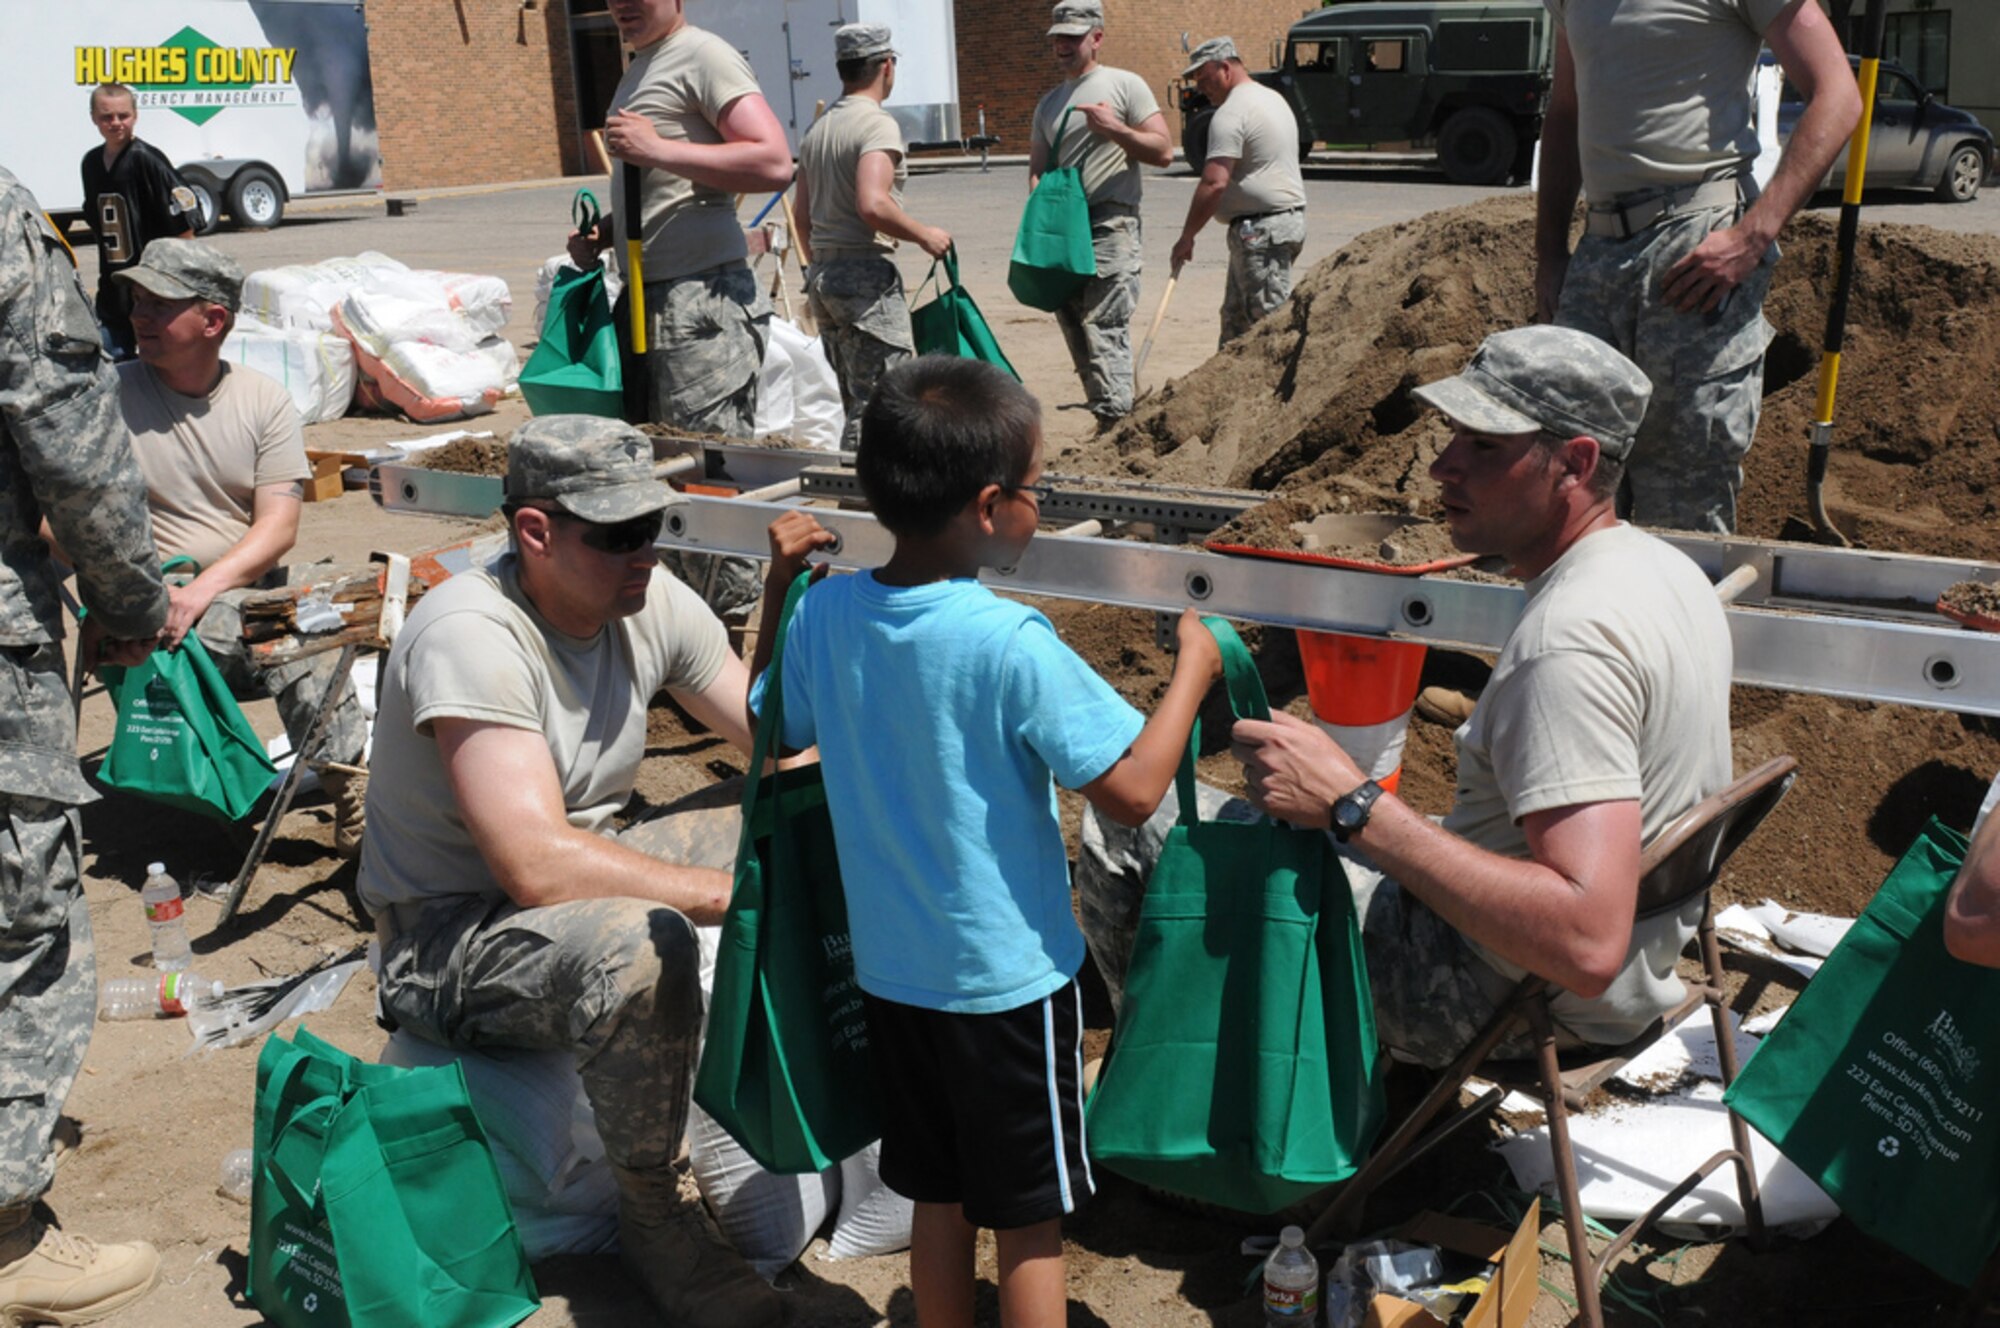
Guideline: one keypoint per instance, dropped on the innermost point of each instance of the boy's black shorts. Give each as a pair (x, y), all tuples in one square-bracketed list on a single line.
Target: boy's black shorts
[(984, 1110)]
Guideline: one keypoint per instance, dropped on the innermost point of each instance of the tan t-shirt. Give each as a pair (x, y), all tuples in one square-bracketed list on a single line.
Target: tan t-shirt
[(206, 457), (475, 648), (829, 156), (1613, 686), (1255, 127), (1109, 176), (1663, 89), (682, 83)]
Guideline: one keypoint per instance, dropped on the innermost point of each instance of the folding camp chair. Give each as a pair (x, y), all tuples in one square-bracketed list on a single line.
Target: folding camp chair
[(1679, 866)]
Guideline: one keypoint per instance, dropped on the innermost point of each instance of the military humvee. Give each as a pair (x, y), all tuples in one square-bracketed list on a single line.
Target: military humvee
[(1467, 77)]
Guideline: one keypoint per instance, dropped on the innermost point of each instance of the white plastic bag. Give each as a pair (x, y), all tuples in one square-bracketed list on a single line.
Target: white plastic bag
[(405, 308), (774, 389), (545, 1142), (483, 301), (817, 415), (316, 368), (874, 1219)]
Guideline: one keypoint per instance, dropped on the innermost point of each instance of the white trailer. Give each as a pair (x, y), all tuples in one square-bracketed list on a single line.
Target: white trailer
[(255, 101), (789, 44)]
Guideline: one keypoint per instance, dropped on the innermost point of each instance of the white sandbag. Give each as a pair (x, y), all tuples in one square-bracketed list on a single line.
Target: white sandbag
[(483, 301), (817, 415), (544, 1138), (774, 390), (769, 1218), (426, 383), (506, 361), (403, 307), (874, 1219), (316, 368), (303, 295)]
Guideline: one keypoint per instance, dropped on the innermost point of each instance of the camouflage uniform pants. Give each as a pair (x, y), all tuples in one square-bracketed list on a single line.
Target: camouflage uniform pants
[(705, 339), (1432, 992), (617, 981), (1707, 369), (297, 686), (1261, 252), (706, 335), (1097, 320), (864, 324), (48, 986)]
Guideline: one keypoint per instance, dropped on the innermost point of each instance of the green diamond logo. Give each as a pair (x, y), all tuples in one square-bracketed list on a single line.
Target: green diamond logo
[(193, 42)]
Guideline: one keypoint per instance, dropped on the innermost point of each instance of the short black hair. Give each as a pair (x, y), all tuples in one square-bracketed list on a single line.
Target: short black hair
[(938, 430), (859, 73)]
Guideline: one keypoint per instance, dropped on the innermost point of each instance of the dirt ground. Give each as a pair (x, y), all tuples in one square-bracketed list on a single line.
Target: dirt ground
[(1311, 405)]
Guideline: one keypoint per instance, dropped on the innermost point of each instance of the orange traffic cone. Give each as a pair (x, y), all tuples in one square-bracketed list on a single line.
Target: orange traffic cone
[(1362, 689)]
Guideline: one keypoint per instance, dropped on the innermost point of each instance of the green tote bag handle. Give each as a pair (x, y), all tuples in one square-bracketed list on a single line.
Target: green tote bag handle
[(1247, 700)]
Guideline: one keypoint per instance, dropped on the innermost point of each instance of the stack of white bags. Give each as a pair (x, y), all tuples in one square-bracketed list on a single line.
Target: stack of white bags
[(372, 332)]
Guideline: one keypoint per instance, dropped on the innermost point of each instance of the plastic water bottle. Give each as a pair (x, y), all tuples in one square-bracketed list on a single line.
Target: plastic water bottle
[(167, 996), (1291, 1282), (236, 1167), (162, 896)]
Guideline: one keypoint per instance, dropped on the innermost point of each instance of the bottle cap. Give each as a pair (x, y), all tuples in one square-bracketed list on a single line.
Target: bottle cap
[(156, 869), (1292, 1236)]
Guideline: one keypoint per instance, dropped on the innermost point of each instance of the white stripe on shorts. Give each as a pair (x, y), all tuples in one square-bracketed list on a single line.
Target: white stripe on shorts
[(1082, 1130), (1055, 1101)]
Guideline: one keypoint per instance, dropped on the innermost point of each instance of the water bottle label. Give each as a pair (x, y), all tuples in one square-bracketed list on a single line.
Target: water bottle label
[(173, 993), (1301, 1303), (164, 911)]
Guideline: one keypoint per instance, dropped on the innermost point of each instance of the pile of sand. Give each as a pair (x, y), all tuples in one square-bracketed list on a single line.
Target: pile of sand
[(1315, 405)]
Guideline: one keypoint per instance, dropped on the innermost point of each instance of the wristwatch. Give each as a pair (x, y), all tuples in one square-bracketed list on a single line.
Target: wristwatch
[(1351, 810)]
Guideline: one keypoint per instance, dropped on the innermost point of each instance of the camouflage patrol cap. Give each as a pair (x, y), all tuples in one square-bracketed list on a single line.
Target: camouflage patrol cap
[(1553, 378), (187, 270), (1077, 18), (1210, 52), (861, 41), (596, 468)]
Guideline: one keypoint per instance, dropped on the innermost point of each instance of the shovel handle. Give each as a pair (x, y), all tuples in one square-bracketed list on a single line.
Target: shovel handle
[(1159, 316), (635, 256)]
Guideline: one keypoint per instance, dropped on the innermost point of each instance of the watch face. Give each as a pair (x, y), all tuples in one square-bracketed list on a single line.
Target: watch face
[(1348, 816)]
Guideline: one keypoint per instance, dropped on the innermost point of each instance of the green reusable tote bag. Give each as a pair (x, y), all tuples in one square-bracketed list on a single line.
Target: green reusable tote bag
[(1053, 256), (951, 324), (181, 739), (575, 368), (1882, 1082), (1244, 1067), (785, 1068), (375, 1199)]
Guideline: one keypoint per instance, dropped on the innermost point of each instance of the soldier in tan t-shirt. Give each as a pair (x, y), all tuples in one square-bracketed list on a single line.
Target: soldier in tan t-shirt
[(1250, 182), (689, 113), (850, 215), (1106, 123), (224, 456), (1606, 718)]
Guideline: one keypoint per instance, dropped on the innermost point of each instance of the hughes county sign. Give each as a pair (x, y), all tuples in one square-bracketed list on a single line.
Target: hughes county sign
[(192, 76)]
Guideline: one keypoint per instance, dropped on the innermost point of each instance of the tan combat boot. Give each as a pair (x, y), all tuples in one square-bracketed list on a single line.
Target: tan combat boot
[(670, 1244), (49, 1276), (349, 794)]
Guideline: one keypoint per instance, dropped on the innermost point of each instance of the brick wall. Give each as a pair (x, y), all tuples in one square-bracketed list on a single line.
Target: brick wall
[(1003, 50), (471, 91)]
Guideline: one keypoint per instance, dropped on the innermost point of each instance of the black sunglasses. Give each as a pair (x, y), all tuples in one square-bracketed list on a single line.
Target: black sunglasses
[(614, 537)]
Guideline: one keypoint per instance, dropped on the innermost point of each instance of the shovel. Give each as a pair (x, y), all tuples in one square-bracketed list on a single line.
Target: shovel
[(1146, 347), (1820, 433)]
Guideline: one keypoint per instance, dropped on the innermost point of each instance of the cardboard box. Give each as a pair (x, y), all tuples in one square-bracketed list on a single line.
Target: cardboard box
[(1508, 1299), (329, 473)]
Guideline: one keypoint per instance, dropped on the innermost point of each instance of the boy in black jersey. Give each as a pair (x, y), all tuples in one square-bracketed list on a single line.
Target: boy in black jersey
[(132, 195)]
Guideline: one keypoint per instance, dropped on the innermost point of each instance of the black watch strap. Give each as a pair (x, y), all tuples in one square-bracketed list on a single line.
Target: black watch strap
[(1352, 810)]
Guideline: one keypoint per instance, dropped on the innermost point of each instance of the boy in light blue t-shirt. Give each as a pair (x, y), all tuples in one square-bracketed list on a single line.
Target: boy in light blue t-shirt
[(944, 716)]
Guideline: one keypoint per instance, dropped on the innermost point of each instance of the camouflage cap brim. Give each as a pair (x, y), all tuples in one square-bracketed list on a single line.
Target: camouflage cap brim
[(1466, 405), (160, 284), (620, 502)]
